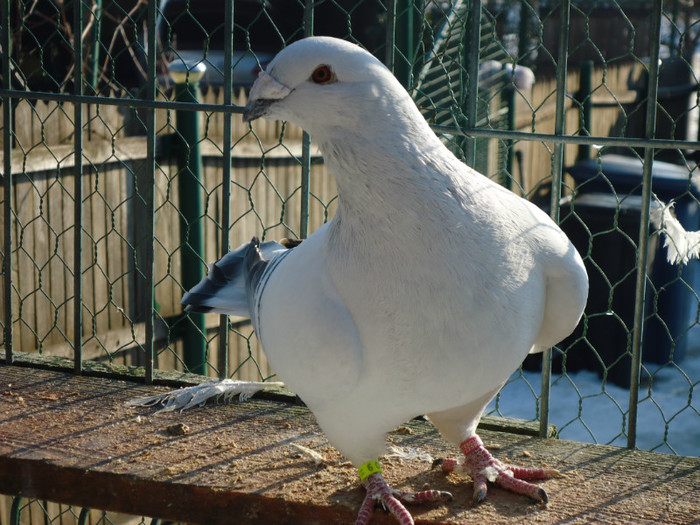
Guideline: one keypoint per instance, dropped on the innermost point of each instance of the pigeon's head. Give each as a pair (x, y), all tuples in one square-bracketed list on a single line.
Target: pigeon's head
[(320, 81)]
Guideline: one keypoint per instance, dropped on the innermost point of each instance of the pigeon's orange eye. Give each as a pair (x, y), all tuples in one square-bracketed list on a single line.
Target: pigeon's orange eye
[(323, 75)]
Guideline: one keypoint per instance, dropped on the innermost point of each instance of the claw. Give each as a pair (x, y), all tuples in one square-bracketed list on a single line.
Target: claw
[(446, 496), (543, 496), (479, 493)]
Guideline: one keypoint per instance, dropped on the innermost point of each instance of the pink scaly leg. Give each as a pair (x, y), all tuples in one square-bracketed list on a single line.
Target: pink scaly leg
[(379, 491), (483, 467)]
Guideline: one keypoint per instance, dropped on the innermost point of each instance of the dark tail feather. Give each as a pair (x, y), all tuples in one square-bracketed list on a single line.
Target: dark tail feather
[(198, 308)]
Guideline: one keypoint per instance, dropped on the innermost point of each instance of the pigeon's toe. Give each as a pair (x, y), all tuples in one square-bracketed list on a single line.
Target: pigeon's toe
[(424, 496), (505, 479)]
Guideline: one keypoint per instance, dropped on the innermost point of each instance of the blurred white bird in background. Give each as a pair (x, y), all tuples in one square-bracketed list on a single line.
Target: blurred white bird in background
[(681, 245), (421, 296), (494, 73)]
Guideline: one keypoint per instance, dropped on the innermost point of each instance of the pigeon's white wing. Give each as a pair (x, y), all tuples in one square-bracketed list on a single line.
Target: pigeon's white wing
[(565, 283), (306, 330)]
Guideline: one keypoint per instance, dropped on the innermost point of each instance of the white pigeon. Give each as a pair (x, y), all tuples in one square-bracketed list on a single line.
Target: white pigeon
[(421, 296), (493, 72)]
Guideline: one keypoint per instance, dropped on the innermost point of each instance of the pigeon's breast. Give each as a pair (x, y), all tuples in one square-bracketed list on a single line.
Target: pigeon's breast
[(431, 312)]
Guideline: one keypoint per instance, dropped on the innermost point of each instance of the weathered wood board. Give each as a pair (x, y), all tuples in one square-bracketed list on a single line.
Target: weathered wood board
[(72, 439)]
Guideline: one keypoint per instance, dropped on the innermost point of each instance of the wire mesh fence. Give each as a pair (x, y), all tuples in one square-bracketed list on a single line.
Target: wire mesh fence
[(126, 169), (23, 510)]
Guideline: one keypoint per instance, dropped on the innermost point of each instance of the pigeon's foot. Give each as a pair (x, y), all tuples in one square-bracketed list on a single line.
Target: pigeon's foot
[(379, 491), (483, 467)]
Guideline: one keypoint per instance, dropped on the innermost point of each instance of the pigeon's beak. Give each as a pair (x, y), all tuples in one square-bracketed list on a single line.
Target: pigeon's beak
[(256, 109), (265, 92)]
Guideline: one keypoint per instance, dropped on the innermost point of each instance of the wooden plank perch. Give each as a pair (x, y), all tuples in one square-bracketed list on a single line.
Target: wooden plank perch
[(72, 439)]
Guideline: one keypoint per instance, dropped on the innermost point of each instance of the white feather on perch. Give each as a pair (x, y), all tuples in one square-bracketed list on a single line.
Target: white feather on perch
[(198, 395)]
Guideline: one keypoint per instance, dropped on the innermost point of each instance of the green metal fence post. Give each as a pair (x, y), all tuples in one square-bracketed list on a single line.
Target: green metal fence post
[(96, 39), (7, 136), (509, 144), (222, 360), (15, 511), (584, 98), (470, 98), (404, 41), (306, 143), (390, 35), (189, 163), (557, 168), (146, 249), (643, 246), (84, 516), (78, 190)]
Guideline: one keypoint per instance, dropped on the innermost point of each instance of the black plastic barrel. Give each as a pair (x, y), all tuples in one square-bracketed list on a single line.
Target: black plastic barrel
[(603, 222)]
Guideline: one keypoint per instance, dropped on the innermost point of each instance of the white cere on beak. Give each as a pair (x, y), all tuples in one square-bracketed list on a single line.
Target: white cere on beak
[(267, 88), (265, 92)]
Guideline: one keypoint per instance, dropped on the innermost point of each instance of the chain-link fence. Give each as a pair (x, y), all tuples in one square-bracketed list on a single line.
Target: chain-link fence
[(126, 169)]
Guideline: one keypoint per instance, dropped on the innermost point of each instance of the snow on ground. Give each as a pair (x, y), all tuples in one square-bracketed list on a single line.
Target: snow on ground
[(583, 409)]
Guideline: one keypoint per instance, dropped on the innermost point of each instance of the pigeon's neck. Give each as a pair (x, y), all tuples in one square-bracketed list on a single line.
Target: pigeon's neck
[(390, 180)]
